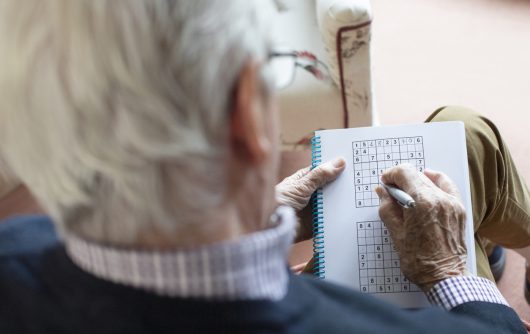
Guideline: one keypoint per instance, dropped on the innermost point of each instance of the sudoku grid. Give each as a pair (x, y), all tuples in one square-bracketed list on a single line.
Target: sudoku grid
[(372, 157), (379, 265)]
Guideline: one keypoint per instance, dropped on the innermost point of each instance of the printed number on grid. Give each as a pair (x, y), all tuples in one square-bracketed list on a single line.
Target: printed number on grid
[(372, 157), (379, 266)]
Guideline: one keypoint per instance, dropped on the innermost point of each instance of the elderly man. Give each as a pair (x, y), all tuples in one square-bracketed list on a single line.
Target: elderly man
[(147, 130)]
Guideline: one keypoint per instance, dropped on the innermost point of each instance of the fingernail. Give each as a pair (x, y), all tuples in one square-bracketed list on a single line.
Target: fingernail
[(338, 163), (379, 191)]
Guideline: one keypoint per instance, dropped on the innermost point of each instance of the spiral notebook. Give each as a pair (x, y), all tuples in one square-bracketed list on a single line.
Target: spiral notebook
[(352, 246)]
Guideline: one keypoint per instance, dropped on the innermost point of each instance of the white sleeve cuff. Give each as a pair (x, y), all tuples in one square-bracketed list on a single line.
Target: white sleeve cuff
[(455, 291)]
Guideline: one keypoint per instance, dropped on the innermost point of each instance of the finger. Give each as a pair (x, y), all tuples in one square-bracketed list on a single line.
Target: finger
[(298, 268), (324, 174), (404, 176), (301, 173), (389, 211), (443, 182), (292, 178)]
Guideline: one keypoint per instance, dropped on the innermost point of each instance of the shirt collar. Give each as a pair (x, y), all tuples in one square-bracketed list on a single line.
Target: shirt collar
[(251, 267)]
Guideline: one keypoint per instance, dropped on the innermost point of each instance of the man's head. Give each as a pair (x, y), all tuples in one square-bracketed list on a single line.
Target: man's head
[(133, 120)]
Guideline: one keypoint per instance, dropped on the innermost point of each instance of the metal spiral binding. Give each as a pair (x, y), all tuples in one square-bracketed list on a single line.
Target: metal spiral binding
[(319, 267)]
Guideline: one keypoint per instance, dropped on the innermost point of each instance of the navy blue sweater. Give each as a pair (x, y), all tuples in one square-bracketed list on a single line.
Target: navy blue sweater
[(42, 291)]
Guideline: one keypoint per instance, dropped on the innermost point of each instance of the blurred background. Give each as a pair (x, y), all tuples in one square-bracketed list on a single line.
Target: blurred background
[(475, 53)]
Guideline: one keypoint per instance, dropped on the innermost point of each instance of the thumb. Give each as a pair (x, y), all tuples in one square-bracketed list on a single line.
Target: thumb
[(323, 174)]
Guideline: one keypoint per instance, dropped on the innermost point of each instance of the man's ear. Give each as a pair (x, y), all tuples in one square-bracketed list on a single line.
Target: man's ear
[(248, 134)]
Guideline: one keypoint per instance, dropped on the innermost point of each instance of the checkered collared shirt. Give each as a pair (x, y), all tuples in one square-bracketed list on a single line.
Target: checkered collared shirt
[(455, 291), (251, 267)]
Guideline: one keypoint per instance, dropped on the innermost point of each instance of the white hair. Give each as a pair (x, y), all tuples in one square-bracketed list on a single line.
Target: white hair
[(114, 112)]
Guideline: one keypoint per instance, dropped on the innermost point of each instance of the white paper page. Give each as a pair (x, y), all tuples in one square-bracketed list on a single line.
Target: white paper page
[(439, 146)]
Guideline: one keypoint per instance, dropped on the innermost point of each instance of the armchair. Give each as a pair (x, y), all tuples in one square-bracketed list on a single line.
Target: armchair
[(338, 32)]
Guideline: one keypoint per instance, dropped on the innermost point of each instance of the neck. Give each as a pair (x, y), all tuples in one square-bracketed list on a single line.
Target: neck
[(229, 222), (246, 209)]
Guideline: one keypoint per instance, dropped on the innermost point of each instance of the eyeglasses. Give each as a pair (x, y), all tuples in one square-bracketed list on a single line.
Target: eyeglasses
[(284, 64)]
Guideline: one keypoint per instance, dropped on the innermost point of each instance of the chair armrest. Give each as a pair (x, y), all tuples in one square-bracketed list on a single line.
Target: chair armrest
[(345, 26)]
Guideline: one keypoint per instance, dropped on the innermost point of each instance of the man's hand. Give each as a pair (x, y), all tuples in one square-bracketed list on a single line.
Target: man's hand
[(296, 190), (429, 237)]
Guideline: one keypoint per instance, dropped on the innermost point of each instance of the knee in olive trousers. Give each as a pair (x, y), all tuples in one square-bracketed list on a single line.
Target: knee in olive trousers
[(500, 198)]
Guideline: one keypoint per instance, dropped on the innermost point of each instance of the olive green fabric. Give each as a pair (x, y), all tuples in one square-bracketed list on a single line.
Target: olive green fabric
[(499, 195)]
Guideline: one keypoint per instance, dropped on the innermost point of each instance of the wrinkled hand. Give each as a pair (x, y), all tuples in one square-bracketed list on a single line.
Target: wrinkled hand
[(296, 190), (430, 237)]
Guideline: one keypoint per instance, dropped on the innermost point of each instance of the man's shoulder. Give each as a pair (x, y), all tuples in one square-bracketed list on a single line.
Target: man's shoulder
[(24, 241), (24, 235)]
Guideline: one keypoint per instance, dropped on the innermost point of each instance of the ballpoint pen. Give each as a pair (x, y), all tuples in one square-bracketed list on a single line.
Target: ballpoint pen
[(403, 199)]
